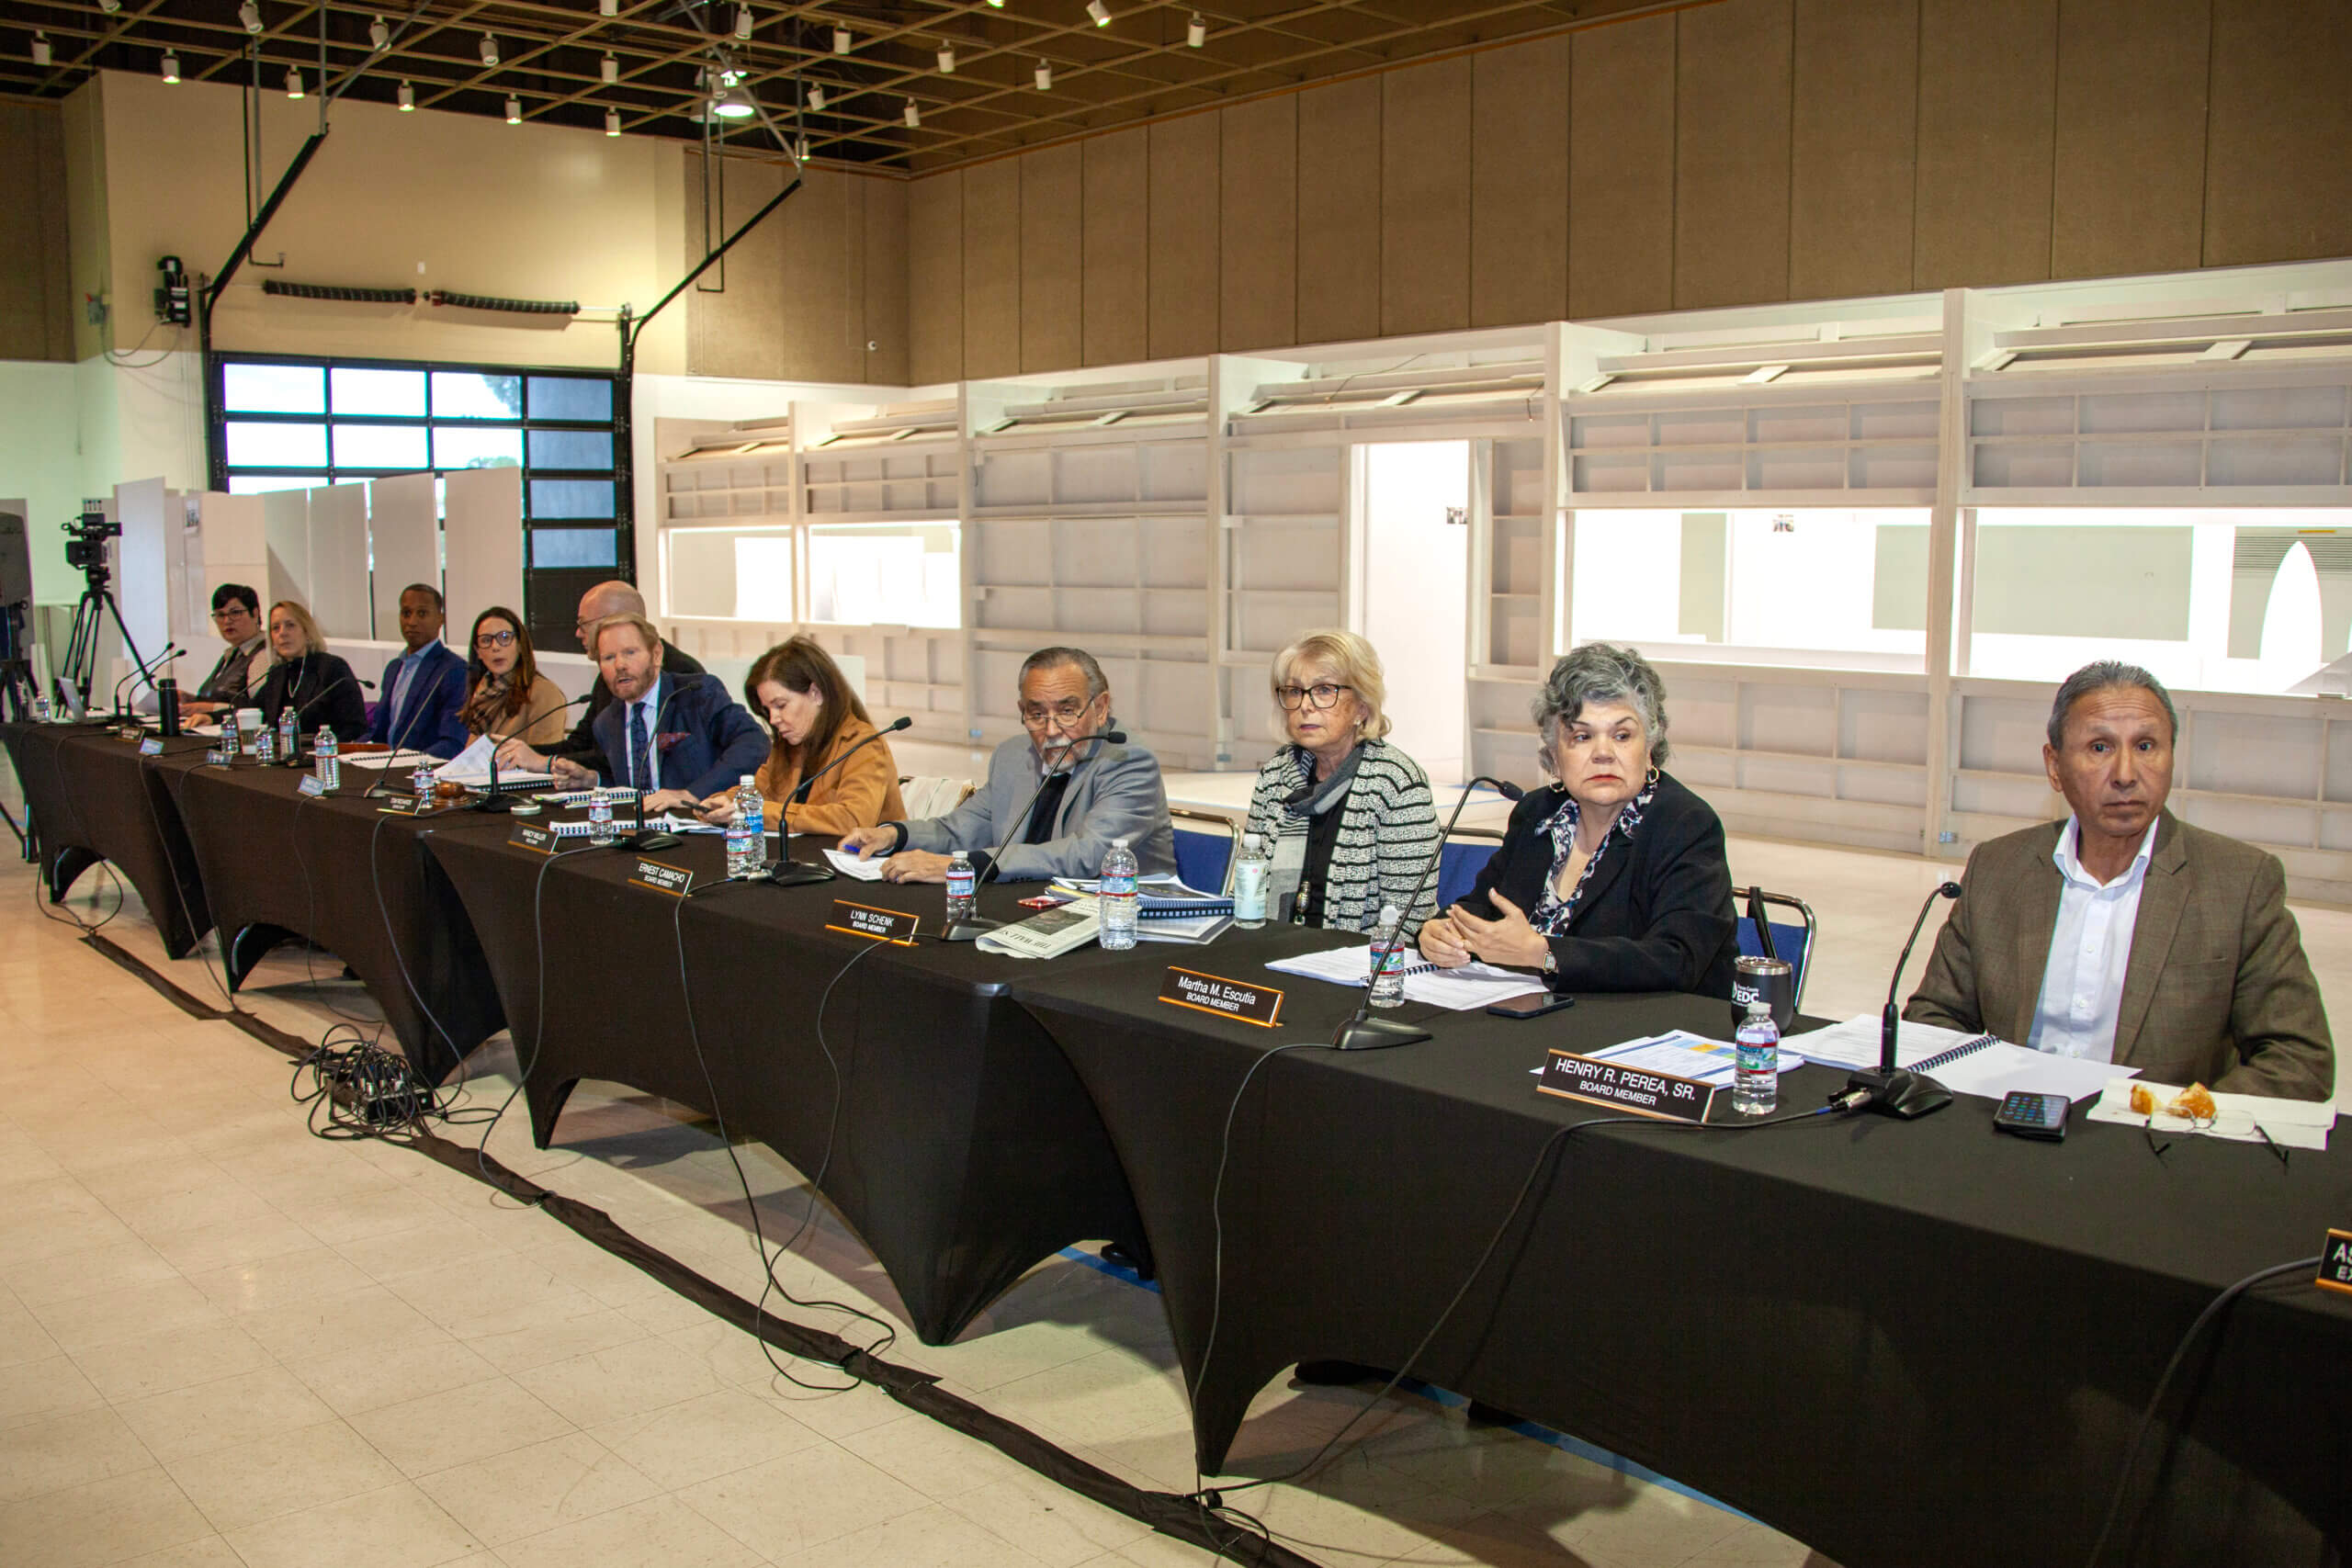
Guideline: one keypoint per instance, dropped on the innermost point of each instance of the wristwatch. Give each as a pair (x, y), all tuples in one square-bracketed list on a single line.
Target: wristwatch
[(1551, 961)]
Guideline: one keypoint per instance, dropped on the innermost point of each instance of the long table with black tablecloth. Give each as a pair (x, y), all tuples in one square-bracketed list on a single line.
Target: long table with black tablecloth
[(340, 871), (90, 797), (1901, 1343), (964, 1150)]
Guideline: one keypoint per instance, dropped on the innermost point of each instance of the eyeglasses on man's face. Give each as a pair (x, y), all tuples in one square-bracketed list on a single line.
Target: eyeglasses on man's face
[(486, 640), (1322, 694), (1068, 711)]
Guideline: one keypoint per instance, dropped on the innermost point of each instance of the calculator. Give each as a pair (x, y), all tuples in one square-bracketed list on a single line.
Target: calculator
[(2032, 1115)]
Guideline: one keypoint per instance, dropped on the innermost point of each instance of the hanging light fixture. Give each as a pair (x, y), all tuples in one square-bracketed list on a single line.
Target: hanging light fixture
[(732, 103), (946, 60), (41, 48), (913, 116), (514, 109), (1044, 77), (490, 48), (293, 82), (609, 7), (743, 22), (379, 33), (816, 96), (609, 68), (1196, 32), (171, 66), (801, 150), (842, 40), (1099, 12), (109, 7), (250, 14), (408, 98), (612, 122)]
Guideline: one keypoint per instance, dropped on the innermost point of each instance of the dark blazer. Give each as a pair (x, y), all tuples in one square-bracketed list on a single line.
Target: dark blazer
[(1657, 915), (2216, 990), (434, 720), (702, 739), (581, 744), (323, 687)]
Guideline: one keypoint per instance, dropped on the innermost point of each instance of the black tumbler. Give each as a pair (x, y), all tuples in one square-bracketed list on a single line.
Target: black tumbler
[(1770, 978), (167, 704)]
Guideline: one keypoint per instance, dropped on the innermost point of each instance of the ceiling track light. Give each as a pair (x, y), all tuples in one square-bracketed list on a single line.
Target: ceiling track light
[(743, 23), (816, 96), (947, 61), (109, 7), (379, 34), (171, 66), (801, 150), (612, 122), (1196, 32), (514, 109), (408, 98), (842, 40), (293, 82), (998, 4), (490, 48), (610, 68), (1099, 12), (609, 7), (41, 48), (250, 14), (913, 116), (1045, 75)]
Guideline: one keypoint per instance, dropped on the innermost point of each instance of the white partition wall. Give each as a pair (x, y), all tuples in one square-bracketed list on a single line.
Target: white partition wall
[(405, 541), (285, 526), (483, 535), (142, 587), (338, 589)]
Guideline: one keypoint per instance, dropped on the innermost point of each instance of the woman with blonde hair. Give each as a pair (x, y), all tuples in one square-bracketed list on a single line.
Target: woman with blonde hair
[(1346, 815), (318, 686), (816, 720)]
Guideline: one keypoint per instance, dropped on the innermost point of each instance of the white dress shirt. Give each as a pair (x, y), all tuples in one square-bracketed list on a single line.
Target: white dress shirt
[(2090, 947)]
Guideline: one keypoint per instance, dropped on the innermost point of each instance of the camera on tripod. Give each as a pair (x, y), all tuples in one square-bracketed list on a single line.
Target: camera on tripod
[(86, 542)]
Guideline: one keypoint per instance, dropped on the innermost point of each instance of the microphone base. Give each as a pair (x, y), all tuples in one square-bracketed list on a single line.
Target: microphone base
[(1899, 1093), (496, 805), (798, 873), (646, 839), (968, 930), (1375, 1034)]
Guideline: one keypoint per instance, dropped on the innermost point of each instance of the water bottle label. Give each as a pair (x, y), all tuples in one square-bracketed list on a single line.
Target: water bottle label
[(1119, 884), (960, 883)]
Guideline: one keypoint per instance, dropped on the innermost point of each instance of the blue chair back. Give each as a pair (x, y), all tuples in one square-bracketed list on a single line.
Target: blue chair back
[(1459, 865), (1788, 941), (1201, 858)]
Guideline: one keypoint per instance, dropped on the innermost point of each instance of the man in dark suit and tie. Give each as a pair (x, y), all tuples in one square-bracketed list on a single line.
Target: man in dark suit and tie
[(425, 688), (2124, 934), (611, 598), (678, 738)]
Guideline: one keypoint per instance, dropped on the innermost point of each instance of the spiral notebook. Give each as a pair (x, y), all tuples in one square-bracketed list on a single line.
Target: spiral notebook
[(1965, 1064)]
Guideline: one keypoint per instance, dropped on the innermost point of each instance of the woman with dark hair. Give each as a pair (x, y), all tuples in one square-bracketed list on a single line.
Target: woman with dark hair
[(816, 720), (318, 686), (505, 693)]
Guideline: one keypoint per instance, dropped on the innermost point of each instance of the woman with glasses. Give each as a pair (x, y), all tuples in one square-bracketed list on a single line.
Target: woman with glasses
[(318, 686), (1346, 816), (817, 721), (1613, 877), (505, 693)]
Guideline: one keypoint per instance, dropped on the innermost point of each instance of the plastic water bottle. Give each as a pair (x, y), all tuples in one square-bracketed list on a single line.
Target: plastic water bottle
[(1115, 897), (1755, 1081), (1388, 958), (290, 736), (747, 832), (422, 782), (600, 817), (228, 742), (264, 746), (1252, 871), (326, 755), (963, 888)]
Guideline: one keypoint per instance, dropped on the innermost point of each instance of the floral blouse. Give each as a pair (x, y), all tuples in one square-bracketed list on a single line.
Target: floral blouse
[(1552, 913)]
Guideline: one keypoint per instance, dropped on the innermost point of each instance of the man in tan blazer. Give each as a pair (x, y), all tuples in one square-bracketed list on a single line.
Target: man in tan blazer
[(2123, 933)]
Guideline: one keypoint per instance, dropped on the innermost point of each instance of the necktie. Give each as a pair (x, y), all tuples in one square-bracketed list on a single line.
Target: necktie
[(639, 773), (400, 693)]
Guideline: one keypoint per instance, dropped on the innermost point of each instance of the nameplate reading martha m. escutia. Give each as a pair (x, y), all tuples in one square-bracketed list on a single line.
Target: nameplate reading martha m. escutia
[(2335, 1263), (882, 925), (539, 840), (662, 877), (1621, 1087), (1236, 999)]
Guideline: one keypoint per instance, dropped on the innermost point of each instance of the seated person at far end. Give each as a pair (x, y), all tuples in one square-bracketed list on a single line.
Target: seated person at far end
[(1091, 793), (2124, 934), (675, 738), (1613, 879), (818, 722)]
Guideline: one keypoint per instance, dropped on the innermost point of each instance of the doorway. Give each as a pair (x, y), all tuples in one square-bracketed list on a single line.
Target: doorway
[(1412, 539)]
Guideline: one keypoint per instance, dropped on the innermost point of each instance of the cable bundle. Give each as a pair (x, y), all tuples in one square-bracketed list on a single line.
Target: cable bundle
[(361, 1090)]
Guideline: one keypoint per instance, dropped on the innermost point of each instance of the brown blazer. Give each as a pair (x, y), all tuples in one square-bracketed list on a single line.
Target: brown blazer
[(861, 793), (2217, 990)]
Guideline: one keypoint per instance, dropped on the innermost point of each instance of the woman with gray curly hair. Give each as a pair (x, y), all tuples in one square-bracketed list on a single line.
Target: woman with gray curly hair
[(1613, 877)]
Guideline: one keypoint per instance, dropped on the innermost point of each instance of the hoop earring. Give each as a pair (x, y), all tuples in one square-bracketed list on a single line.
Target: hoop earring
[(1650, 782)]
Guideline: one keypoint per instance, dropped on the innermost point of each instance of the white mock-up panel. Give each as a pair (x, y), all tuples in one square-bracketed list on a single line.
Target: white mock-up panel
[(230, 545), (367, 657), (339, 598), (189, 607), (142, 587), (404, 536), (482, 527), (285, 527)]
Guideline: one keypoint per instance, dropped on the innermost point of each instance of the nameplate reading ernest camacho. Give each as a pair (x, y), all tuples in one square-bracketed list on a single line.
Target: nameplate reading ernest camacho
[(1620, 1087), (2335, 1263), (663, 877), (883, 925), (1234, 999)]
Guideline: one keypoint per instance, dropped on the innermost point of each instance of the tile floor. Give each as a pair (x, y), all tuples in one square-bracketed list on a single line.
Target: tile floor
[(224, 1342)]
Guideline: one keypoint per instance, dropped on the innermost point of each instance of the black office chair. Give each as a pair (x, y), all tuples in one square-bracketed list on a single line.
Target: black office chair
[(1794, 943)]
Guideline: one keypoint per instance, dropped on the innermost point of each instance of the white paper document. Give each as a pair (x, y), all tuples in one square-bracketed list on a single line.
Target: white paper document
[(471, 767), (2239, 1118), (1978, 1063), (1472, 986), (384, 759), (849, 865), (1686, 1055)]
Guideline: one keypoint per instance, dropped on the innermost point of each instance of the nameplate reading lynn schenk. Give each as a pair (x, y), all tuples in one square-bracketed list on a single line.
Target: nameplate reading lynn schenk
[(2335, 1263), (662, 877), (882, 925), (1620, 1087), (1236, 999)]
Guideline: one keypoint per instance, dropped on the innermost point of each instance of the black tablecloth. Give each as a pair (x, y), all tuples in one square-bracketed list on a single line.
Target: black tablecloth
[(279, 864), (90, 798), (1900, 1342), (966, 1150)]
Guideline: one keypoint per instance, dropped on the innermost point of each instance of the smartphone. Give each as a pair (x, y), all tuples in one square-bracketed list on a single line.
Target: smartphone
[(1536, 1004)]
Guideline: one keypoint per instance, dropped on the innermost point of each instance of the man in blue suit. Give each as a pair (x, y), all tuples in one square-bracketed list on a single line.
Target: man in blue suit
[(425, 688), (680, 738)]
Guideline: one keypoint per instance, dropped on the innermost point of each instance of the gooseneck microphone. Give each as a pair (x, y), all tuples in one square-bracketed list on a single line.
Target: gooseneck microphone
[(146, 672), (973, 929), (294, 757), (789, 872), (1361, 1031), (494, 802), (1888, 1090)]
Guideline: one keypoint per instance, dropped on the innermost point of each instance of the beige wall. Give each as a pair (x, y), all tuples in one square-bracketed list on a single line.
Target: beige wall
[(36, 316), (1734, 153)]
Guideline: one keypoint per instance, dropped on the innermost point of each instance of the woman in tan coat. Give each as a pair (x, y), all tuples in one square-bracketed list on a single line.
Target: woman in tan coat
[(505, 693), (816, 719)]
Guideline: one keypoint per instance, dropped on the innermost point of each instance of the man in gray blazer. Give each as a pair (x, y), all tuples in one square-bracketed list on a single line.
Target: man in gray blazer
[(2124, 934), (1087, 792)]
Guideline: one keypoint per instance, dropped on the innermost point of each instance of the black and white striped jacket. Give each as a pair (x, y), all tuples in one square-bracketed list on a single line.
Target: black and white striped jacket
[(1387, 829)]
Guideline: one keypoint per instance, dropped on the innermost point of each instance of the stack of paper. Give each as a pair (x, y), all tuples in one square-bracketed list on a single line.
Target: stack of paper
[(1472, 986), (1979, 1065), (861, 870), (1686, 1055), (471, 767), (2239, 1118)]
